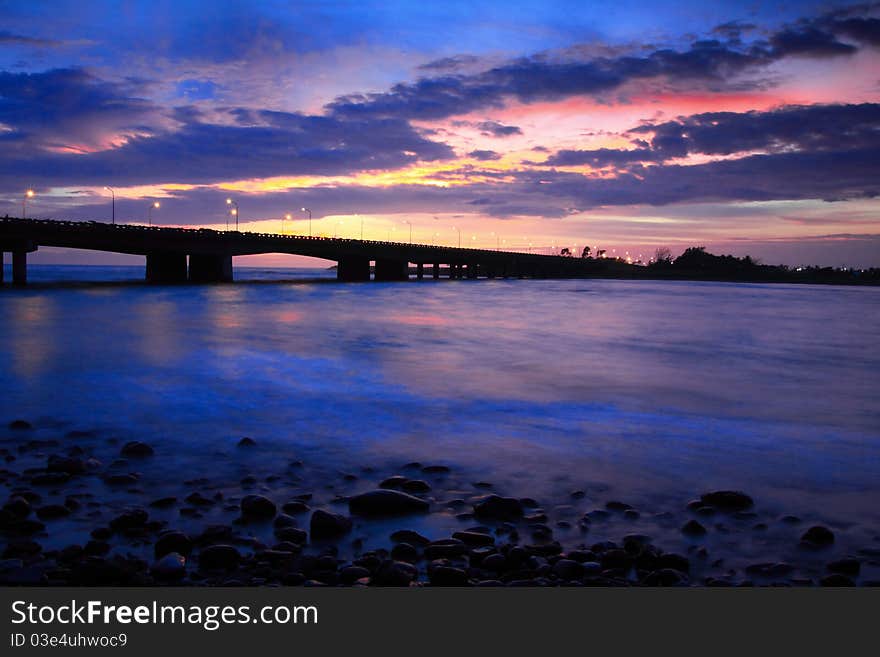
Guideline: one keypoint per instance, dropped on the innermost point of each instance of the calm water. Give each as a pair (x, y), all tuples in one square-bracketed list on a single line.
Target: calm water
[(651, 391)]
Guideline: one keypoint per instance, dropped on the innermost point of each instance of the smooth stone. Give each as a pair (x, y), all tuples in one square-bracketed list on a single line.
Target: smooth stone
[(257, 506), (727, 500), (172, 566), (436, 469), (395, 573), (129, 520), (218, 557), (411, 537), (297, 506), (693, 528), (849, 566), (818, 536), (292, 534), (386, 503), (499, 508), (52, 511), (172, 541), (474, 538), (616, 505), (324, 524), (247, 442), (283, 520), (136, 449), (447, 576), (394, 482), (69, 464), (404, 552), (780, 569), (20, 425), (350, 574), (416, 486), (164, 502), (567, 569), (836, 580)]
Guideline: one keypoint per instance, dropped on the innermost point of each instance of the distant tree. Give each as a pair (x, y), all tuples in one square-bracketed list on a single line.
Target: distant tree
[(565, 252), (586, 252), (663, 256), (600, 253)]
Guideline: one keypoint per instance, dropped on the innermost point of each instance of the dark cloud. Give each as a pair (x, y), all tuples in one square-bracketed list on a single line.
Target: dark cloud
[(21, 40), (496, 129), (484, 155), (809, 41)]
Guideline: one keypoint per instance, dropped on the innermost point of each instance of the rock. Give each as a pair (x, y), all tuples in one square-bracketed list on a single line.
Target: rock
[(727, 500), (173, 541), (499, 508), (567, 569), (818, 536), (780, 569), (282, 520), (291, 534), (674, 561), (219, 557), (120, 479), (411, 537), (405, 552), (790, 520), (435, 469), (52, 511), (136, 449), (295, 507), (416, 486), (164, 502), (135, 518), (447, 576), (848, 566), (394, 482), (69, 464), (665, 577), (17, 507), (445, 549), (247, 442), (385, 502), (350, 574), (172, 566), (20, 425), (494, 562), (257, 507), (615, 505), (395, 573), (474, 538), (693, 528), (836, 580), (50, 478), (328, 525)]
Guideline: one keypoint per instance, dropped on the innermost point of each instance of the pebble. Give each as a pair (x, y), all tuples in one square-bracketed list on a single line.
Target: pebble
[(324, 524), (52, 511), (727, 500), (172, 566), (693, 528), (136, 449), (385, 502), (20, 425), (411, 537), (499, 508), (173, 541), (219, 557), (257, 507), (818, 536)]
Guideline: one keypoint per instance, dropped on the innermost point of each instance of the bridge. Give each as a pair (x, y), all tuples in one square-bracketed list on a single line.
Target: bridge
[(178, 255)]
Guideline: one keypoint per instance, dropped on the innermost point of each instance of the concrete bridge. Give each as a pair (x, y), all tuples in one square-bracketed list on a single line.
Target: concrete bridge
[(177, 255)]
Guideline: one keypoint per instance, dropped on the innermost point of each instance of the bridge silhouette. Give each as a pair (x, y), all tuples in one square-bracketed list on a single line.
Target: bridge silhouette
[(201, 255)]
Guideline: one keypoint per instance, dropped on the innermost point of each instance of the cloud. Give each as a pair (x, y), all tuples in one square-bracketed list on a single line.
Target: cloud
[(484, 155), (496, 129), (19, 39), (809, 41)]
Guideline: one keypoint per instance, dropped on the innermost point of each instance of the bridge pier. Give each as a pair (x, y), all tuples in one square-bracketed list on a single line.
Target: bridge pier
[(392, 270), (19, 267), (436, 270), (420, 270), (166, 268), (471, 270), (210, 268), (353, 268)]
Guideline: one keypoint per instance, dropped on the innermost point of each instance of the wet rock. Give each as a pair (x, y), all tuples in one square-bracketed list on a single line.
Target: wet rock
[(50, 478), (435, 469), (170, 567), (136, 449), (291, 534), (771, 570), (447, 576), (817, 536), (20, 425), (197, 499), (404, 552), (386, 502), (395, 573), (448, 548), (567, 569), (790, 520), (616, 505), (173, 541), (52, 511), (577, 494), (297, 506), (849, 566), (70, 464), (350, 574), (495, 562), (255, 507), (836, 580), (416, 486), (123, 479), (499, 508), (411, 537), (283, 520), (727, 500), (247, 442), (17, 507), (395, 482), (674, 561), (474, 538), (133, 519), (665, 577), (693, 528), (328, 525), (20, 548), (219, 557)]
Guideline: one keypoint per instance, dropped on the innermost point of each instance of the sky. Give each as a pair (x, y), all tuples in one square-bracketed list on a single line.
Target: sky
[(749, 128)]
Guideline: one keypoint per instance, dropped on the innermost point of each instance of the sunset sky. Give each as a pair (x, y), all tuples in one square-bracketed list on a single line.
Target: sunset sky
[(746, 127)]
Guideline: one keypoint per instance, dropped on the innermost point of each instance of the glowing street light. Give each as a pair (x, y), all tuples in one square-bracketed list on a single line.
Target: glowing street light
[(234, 212), (28, 194), (150, 212), (459, 235), (410, 229), (287, 216), (113, 195), (310, 219)]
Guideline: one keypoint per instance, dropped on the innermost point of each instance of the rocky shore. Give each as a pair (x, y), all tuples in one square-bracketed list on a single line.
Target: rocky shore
[(85, 509)]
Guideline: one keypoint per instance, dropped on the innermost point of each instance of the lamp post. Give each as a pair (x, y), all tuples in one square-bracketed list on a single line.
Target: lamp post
[(28, 194), (410, 229), (150, 212), (310, 220), (113, 202), (287, 216), (233, 211), (459, 235)]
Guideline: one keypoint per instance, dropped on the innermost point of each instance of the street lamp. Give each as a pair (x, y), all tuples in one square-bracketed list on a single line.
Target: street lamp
[(310, 219), (150, 212), (459, 235), (497, 241), (233, 211), (410, 229), (289, 217), (113, 195), (28, 194)]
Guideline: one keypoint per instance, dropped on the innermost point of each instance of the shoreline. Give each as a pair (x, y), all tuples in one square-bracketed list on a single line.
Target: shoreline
[(87, 509)]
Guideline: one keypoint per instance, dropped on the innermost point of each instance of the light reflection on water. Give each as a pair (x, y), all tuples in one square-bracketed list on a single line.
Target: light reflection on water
[(648, 388)]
